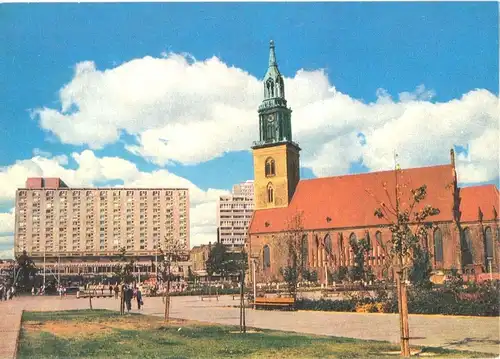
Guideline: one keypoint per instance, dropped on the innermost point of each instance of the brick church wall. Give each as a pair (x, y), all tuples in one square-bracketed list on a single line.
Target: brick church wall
[(452, 250)]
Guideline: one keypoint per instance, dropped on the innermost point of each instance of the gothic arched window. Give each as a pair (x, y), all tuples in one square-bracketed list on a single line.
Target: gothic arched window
[(305, 251), (270, 193), (266, 257), (340, 242), (467, 253), (328, 245), (378, 245), (278, 87), (270, 88), (488, 245), (270, 167), (438, 246)]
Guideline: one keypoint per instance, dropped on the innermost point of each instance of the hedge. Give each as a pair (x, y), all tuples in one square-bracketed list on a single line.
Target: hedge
[(203, 291), (483, 302)]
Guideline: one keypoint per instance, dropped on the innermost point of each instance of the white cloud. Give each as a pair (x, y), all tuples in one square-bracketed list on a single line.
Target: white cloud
[(6, 240), (181, 109), (92, 169), (7, 222), (7, 253)]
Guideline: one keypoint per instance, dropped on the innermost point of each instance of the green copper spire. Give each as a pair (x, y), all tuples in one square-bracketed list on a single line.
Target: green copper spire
[(274, 115), (272, 55), (274, 87)]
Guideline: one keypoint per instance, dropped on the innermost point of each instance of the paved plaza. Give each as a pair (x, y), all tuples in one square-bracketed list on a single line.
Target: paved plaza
[(463, 333)]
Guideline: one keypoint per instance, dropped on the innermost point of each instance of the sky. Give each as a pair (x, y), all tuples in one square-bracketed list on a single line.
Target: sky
[(166, 94)]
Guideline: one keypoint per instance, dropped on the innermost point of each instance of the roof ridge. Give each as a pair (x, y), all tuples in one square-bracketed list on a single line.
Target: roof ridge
[(481, 186), (374, 172)]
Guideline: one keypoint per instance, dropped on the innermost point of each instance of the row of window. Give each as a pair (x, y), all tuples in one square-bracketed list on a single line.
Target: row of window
[(50, 193), (437, 236)]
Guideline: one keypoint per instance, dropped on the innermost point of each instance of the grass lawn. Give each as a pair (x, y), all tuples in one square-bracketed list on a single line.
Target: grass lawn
[(101, 333)]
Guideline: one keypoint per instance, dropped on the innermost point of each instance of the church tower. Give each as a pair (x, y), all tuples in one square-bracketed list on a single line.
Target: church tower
[(275, 155)]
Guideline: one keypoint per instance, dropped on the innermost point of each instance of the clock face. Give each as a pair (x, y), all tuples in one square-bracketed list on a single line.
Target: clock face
[(271, 117)]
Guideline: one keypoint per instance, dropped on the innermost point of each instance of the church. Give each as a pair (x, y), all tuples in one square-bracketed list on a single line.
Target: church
[(332, 211)]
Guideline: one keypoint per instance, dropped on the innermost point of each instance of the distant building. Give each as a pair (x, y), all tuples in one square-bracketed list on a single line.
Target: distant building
[(234, 213), (198, 256), (87, 227)]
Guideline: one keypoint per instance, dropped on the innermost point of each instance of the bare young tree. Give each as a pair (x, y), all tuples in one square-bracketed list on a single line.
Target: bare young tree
[(291, 247), (124, 271), (172, 252), (407, 219)]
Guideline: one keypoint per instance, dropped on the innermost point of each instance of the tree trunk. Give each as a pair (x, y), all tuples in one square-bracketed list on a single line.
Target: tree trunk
[(167, 302), (406, 326), (122, 300), (243, 328), (403, 313), (90, 300)]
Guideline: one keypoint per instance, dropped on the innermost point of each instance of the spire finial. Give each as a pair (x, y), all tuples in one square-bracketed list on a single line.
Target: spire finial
[(272, 55)]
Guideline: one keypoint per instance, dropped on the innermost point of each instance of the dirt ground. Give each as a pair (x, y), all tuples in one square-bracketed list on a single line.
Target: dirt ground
[(71, 329)]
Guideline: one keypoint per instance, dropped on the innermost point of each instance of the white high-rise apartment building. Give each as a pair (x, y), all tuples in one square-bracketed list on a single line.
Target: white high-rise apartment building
[(234, 213), (56, 221)]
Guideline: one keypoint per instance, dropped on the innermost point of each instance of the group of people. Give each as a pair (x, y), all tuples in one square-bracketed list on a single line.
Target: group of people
[(38, 291), (7, 292), (61, 290), (130, 293)]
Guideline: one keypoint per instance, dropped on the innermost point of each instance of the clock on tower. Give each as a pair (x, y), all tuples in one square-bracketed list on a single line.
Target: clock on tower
[(276, 156)]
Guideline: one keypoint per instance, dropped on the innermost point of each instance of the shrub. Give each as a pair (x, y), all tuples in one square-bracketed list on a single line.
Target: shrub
[(380, 307), (367, 308), (310, 275), (478, 300), (326, 305), (203, 291), (475, 300), (338, 275)]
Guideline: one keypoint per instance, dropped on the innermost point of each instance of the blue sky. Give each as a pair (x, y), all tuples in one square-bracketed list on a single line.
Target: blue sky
[(449, 48)]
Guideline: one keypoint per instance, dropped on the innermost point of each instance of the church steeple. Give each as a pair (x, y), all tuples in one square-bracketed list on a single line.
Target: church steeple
[(274, 115), (276, 156)]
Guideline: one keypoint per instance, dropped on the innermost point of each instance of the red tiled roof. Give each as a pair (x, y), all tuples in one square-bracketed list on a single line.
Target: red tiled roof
[(345, 200), (474, 198)]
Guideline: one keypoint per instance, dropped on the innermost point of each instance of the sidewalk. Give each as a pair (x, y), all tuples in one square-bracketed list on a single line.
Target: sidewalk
[(480, 334), (10, 326)]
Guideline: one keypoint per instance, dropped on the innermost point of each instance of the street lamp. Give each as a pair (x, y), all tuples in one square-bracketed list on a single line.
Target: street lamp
[(254, 280), (156, 262)]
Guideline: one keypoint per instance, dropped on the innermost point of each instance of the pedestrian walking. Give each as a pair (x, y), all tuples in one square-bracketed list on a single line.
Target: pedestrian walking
[(139, 298), (128, 294)]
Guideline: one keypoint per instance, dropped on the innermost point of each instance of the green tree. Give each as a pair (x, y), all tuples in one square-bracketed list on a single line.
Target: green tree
[(24, 271), (310, 275), (191, 275), (408, 221), (339, 275), (421, 269), (359, 249), (124, 271), (172, 252), (222, 262), (291, 245)]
